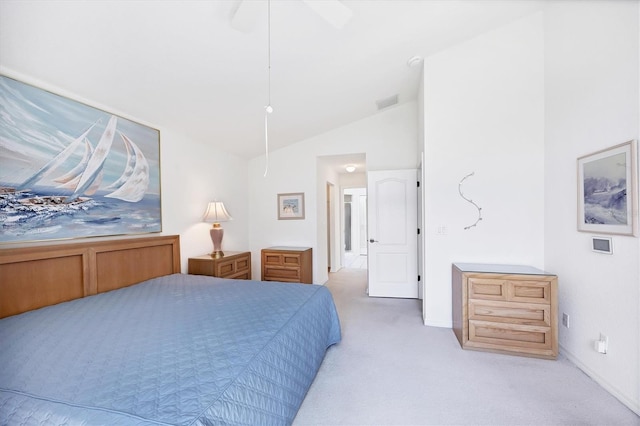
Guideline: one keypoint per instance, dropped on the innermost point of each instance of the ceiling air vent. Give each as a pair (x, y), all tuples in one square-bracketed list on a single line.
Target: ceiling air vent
[(387, 102)]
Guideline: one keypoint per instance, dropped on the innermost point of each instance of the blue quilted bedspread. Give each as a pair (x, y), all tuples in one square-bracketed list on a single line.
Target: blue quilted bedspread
[(179, 350)]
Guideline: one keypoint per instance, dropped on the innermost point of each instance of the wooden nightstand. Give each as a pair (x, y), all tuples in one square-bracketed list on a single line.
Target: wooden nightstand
[(234, 264), (287, 264)]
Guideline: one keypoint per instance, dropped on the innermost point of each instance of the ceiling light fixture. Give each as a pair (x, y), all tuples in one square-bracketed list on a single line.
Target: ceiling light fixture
[(268, 109), (350, 168)]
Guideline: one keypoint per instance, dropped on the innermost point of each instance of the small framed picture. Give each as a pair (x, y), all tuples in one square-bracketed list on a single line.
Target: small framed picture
[(607, 200), (291, 206)]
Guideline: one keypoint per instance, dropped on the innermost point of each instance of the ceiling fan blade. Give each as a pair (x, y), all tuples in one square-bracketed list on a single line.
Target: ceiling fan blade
[(245, 15), (332, 11)]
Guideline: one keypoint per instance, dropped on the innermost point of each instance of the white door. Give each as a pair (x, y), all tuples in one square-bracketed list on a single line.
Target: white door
[(392, 233)]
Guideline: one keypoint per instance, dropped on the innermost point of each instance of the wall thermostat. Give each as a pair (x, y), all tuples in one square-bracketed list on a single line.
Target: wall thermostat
[(602, 245)]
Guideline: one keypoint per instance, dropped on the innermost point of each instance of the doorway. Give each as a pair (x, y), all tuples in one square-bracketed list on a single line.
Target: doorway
[(335, 173), (331, 225), (355, 228)]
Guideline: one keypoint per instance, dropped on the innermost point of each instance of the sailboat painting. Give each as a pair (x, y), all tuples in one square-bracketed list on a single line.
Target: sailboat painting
[(68, 170)]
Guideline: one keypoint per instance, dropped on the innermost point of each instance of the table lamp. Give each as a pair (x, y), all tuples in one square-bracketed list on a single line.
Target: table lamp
[(215, 214)]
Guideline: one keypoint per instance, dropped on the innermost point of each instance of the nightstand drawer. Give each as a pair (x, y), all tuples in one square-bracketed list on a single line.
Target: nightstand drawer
[(226, 267), (243, 263), (279, 259), (281, 274), (271, 259), (232, 266)]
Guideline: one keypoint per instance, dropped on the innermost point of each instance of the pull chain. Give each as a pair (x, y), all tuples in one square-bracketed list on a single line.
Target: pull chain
[(268, 109)]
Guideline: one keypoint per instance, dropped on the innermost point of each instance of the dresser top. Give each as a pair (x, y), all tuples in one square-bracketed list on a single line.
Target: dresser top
[(500, 269), (286, 248)]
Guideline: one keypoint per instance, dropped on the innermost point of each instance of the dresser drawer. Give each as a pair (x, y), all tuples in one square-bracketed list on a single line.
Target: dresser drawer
[(280, 259), (492, 335), (529, 291), (487, 289), (510, 312), (509, 290), (281, 274)]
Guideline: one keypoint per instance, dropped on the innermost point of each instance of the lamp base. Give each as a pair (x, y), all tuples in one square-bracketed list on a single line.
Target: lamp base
[(216, 238)]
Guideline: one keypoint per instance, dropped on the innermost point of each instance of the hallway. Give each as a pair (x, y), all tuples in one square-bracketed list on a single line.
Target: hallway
[(355, 261)]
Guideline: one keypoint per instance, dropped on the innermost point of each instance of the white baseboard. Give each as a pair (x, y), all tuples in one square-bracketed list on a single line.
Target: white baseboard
[(442, 324), (632, 405)]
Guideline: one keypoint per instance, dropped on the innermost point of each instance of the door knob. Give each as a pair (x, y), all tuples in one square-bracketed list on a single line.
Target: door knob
[(373, 241)]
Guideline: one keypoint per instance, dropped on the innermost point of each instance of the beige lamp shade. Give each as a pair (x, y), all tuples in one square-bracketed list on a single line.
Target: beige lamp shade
[(216, 213)]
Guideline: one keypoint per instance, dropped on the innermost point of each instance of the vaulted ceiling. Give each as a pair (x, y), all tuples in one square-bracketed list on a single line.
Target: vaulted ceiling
[(186, 66)]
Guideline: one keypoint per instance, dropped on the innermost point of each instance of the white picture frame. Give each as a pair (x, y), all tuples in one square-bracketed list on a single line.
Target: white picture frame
[(607, 193)]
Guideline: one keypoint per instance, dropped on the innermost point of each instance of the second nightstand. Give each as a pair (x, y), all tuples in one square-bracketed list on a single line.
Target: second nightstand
[(234, 264), (287, 264)]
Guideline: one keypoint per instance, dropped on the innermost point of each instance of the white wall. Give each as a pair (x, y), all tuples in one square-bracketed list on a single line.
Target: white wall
[(192, 174), (353, 180), (592, 102), (327, 176), (389, 141), (483, 113)]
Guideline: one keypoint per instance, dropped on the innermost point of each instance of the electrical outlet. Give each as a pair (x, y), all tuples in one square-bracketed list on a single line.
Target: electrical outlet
[(565, 320)]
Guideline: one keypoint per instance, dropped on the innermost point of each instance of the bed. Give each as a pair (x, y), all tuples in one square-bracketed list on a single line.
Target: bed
[(133, 342)]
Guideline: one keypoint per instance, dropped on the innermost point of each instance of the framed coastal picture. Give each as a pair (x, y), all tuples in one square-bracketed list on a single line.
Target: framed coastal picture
[(607, 199), (291, 206), (68, 170)]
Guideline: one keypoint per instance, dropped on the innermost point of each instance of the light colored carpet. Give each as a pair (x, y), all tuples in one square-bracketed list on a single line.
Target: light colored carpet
[(390, 369)]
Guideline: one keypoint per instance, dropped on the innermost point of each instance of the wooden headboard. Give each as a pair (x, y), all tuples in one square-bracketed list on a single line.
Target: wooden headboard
[(33, 277)]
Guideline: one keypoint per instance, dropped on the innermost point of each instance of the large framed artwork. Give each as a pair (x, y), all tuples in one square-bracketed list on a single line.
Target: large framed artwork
[(607, 199), (68, 170)]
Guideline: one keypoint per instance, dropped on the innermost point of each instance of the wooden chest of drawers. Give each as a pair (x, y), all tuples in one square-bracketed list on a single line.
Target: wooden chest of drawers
[(234, 264), (287, 264), (505, 308)]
